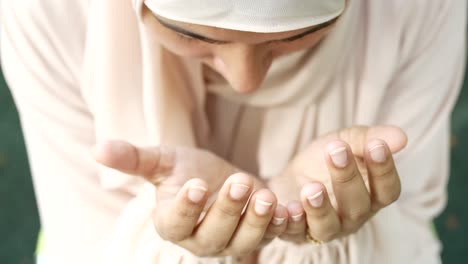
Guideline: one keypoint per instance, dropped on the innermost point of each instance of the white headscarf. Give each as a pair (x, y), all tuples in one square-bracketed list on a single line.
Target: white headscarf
[(246, 15)]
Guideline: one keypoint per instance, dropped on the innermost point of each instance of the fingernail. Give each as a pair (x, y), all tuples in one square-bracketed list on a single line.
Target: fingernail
[(377, 153), (316, 200), (196, 193), (339, 157), (297, 218), (262, 207), (278, 221), (238, 191)]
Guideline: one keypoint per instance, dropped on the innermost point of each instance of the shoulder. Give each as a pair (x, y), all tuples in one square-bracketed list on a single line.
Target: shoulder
[(54, 26), (53, 13), (423, 12), (418, 24)]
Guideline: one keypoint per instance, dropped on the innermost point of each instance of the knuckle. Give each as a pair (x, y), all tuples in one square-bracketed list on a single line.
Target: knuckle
[(294, 231), (160, 229), (172, 231), (163, 233), (242, 251), (346, 177), (211, 249), (387, 172), (356, 216), (272, 233), (256, 223), (359, 214), (171, 234), (327, 231), (318, 215), (298, 239), (174, 236), (390, 194), (185, 212), (295, 228), (200, 252), (225, 209), (392, 197)]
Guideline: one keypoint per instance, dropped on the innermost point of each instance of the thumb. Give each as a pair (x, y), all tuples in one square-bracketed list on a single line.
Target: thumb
[(358, 136), (151, 163)]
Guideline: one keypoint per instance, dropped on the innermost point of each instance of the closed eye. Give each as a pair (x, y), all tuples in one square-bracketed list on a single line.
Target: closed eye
[(191, 36)]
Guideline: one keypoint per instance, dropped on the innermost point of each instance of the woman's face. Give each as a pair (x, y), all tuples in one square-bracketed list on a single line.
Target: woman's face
[(242, 58)]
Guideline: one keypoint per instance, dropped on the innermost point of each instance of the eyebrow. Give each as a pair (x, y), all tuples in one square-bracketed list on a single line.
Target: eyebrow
[(221, 42)]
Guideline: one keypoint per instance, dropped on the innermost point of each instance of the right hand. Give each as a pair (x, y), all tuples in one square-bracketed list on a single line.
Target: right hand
[(185, 179), (350, 194)]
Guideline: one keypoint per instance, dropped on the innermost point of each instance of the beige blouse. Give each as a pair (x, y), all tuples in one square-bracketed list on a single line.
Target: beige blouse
[(82, 71)]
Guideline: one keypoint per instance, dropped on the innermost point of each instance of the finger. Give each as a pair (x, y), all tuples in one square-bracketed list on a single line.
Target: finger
[(123, 156), (384, 182), (176, 219), (322, 220), (253, 224), (296, 223), (395, 136), (352, 197), (220, 222), (277, 225), (357, 137)]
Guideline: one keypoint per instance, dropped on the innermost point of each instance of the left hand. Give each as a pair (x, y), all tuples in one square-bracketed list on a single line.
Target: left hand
[(345, 186), (241, 217)]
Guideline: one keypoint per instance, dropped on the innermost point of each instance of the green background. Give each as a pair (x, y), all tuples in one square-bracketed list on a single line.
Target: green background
[(19, 222)]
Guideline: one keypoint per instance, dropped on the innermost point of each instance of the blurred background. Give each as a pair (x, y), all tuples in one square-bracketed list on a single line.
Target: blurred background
[(19, 223)]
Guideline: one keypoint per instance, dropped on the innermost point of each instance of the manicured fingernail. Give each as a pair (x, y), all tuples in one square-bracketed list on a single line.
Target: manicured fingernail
[(262, 207), (278, 220), (297, 218), (196, 193), (316, 200), (238, 191), (377, 153), (339, 156)]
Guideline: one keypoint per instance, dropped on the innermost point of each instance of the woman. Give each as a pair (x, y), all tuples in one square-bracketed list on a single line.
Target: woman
[(249, 104)]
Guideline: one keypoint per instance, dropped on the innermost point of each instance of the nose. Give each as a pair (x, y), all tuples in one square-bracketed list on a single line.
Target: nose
[(244, 66)]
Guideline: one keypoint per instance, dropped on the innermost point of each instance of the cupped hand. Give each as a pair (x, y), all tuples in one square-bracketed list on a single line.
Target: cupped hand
[(341, 180), (240, 217)]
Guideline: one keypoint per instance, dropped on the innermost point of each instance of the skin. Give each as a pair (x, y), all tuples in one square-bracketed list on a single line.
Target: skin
[(215, 223)]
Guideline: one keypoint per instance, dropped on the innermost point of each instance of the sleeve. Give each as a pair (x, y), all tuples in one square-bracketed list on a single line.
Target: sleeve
[(41, 56), (419, 99)]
